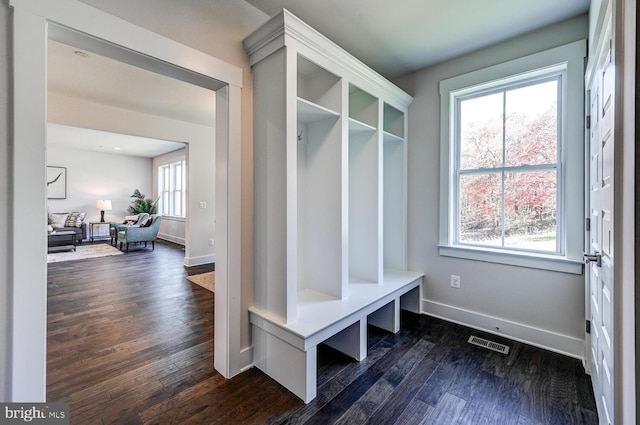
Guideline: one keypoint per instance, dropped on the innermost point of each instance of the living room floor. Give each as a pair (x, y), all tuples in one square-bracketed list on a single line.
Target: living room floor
[(130, 340)]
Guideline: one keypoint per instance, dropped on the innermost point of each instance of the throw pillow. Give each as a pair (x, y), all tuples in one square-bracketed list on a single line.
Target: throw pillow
[(59, 219), (75, 219), (130, 219), (146, 222)]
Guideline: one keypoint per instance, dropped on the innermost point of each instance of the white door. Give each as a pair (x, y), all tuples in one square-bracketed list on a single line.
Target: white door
[(599, 270)]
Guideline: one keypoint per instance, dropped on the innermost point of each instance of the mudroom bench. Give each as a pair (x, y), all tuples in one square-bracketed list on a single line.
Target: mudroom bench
[(288, 351)]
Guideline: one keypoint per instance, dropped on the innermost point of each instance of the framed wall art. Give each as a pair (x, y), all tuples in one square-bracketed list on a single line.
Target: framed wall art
[(56, 182)]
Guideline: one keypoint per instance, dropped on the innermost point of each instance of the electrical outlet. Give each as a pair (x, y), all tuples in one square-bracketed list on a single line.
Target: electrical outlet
[(203, 204), (211, 242), (455, 281)]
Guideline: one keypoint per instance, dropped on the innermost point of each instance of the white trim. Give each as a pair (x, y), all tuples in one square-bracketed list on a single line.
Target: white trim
[(558, 343), (174, 218), (625, 209), (74, 20), (203, 259), (171, 238), (556, 263), (290, 27), (572, 55), (246, 358)]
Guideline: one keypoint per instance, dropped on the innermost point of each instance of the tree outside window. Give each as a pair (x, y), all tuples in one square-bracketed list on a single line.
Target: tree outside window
[(507, 166)]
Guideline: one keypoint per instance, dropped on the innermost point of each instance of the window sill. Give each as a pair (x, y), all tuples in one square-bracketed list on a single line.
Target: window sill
[(518, 259)]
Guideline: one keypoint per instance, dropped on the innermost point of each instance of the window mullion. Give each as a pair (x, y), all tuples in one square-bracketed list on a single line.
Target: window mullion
[(504, 163)]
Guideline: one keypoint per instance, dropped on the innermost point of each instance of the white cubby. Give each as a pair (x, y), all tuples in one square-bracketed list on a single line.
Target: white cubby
[(365, 247), (363, 107), (317, 85), (330, 202), (319, 206), (394, 121)]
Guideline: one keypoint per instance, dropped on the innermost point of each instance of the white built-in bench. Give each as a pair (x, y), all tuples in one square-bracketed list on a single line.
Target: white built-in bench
[(287, 352)]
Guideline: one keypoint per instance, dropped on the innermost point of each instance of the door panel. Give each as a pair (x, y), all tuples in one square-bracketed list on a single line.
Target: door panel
[(599, 274)]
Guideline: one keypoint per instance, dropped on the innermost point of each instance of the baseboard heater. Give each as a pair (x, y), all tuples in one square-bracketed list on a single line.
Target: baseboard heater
[(485, 343)]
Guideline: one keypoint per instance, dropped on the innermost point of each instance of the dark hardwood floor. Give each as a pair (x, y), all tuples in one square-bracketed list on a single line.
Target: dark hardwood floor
[(130, 341)]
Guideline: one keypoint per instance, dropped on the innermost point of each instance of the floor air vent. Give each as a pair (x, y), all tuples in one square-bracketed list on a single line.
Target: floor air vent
[(481, 342)]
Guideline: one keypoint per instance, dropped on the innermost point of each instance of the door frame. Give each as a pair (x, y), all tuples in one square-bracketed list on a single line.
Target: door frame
[(626, 299), (627, 302), (34, 21)]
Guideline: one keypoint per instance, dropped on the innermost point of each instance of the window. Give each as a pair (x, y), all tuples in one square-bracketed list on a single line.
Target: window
[(171, 189), (507, 166), (512, 162)]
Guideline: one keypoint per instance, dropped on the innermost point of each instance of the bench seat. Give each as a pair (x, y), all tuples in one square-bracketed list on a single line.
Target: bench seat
[(287, 351)]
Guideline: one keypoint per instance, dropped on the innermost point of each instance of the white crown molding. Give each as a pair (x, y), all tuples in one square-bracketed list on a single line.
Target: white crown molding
[(286, 29)]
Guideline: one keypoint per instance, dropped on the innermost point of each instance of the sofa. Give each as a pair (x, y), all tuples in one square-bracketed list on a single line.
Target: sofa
[(71, 221)]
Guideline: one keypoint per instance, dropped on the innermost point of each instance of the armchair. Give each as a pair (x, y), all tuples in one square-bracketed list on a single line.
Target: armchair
[(131, 234), (115, 227)]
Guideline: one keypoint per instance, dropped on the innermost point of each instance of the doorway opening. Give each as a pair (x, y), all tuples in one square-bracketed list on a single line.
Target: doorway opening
[(106, 35)]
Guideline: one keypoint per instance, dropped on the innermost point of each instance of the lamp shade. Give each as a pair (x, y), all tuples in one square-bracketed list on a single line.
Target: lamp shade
[(103, 205)]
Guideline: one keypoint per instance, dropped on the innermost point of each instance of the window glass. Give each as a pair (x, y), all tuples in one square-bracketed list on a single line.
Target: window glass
[(171, 182), (507, 166)]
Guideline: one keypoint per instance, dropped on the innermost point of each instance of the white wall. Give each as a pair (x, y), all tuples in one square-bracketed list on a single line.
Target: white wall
[(200, 158), (95, 175), (541, 307), (174, 228), (217, 29), (219, 34), (6, 135)]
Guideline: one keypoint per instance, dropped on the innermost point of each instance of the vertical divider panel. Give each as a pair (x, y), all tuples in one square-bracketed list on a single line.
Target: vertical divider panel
[(345, 191), (364, 188), (292, 191), (271, 168), (394, 194)]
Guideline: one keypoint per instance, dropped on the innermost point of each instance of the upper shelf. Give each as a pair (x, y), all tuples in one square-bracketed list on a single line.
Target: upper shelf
[(356, 126), (309, 112), (391, 138)]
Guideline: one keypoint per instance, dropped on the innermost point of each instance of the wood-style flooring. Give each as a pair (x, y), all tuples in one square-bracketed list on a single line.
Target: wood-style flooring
[(130, 341)]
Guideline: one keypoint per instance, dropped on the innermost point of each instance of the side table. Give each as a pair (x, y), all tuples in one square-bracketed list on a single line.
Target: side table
[(97, 223)]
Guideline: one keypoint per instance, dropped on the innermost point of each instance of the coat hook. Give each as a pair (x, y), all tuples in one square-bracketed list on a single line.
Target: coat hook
[(300, 136)]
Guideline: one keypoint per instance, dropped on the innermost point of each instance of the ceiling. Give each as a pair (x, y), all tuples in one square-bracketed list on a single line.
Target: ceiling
[(399, 37), (89, 76), (107, 142), (393, 40)]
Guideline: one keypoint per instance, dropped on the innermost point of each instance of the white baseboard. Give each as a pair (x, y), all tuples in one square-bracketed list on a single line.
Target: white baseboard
[(246, 358), (196, 261), (171, 238), (563, 344)]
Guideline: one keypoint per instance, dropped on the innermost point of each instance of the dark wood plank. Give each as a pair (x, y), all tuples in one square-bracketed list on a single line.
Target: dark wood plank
[(130, 341), (448, 410)]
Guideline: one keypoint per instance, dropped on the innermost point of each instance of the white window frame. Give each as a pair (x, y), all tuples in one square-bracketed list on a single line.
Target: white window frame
[(568, 59), (170, 168)]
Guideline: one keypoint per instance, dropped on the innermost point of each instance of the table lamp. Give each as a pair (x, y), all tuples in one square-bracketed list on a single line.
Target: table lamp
[(102, 206)]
